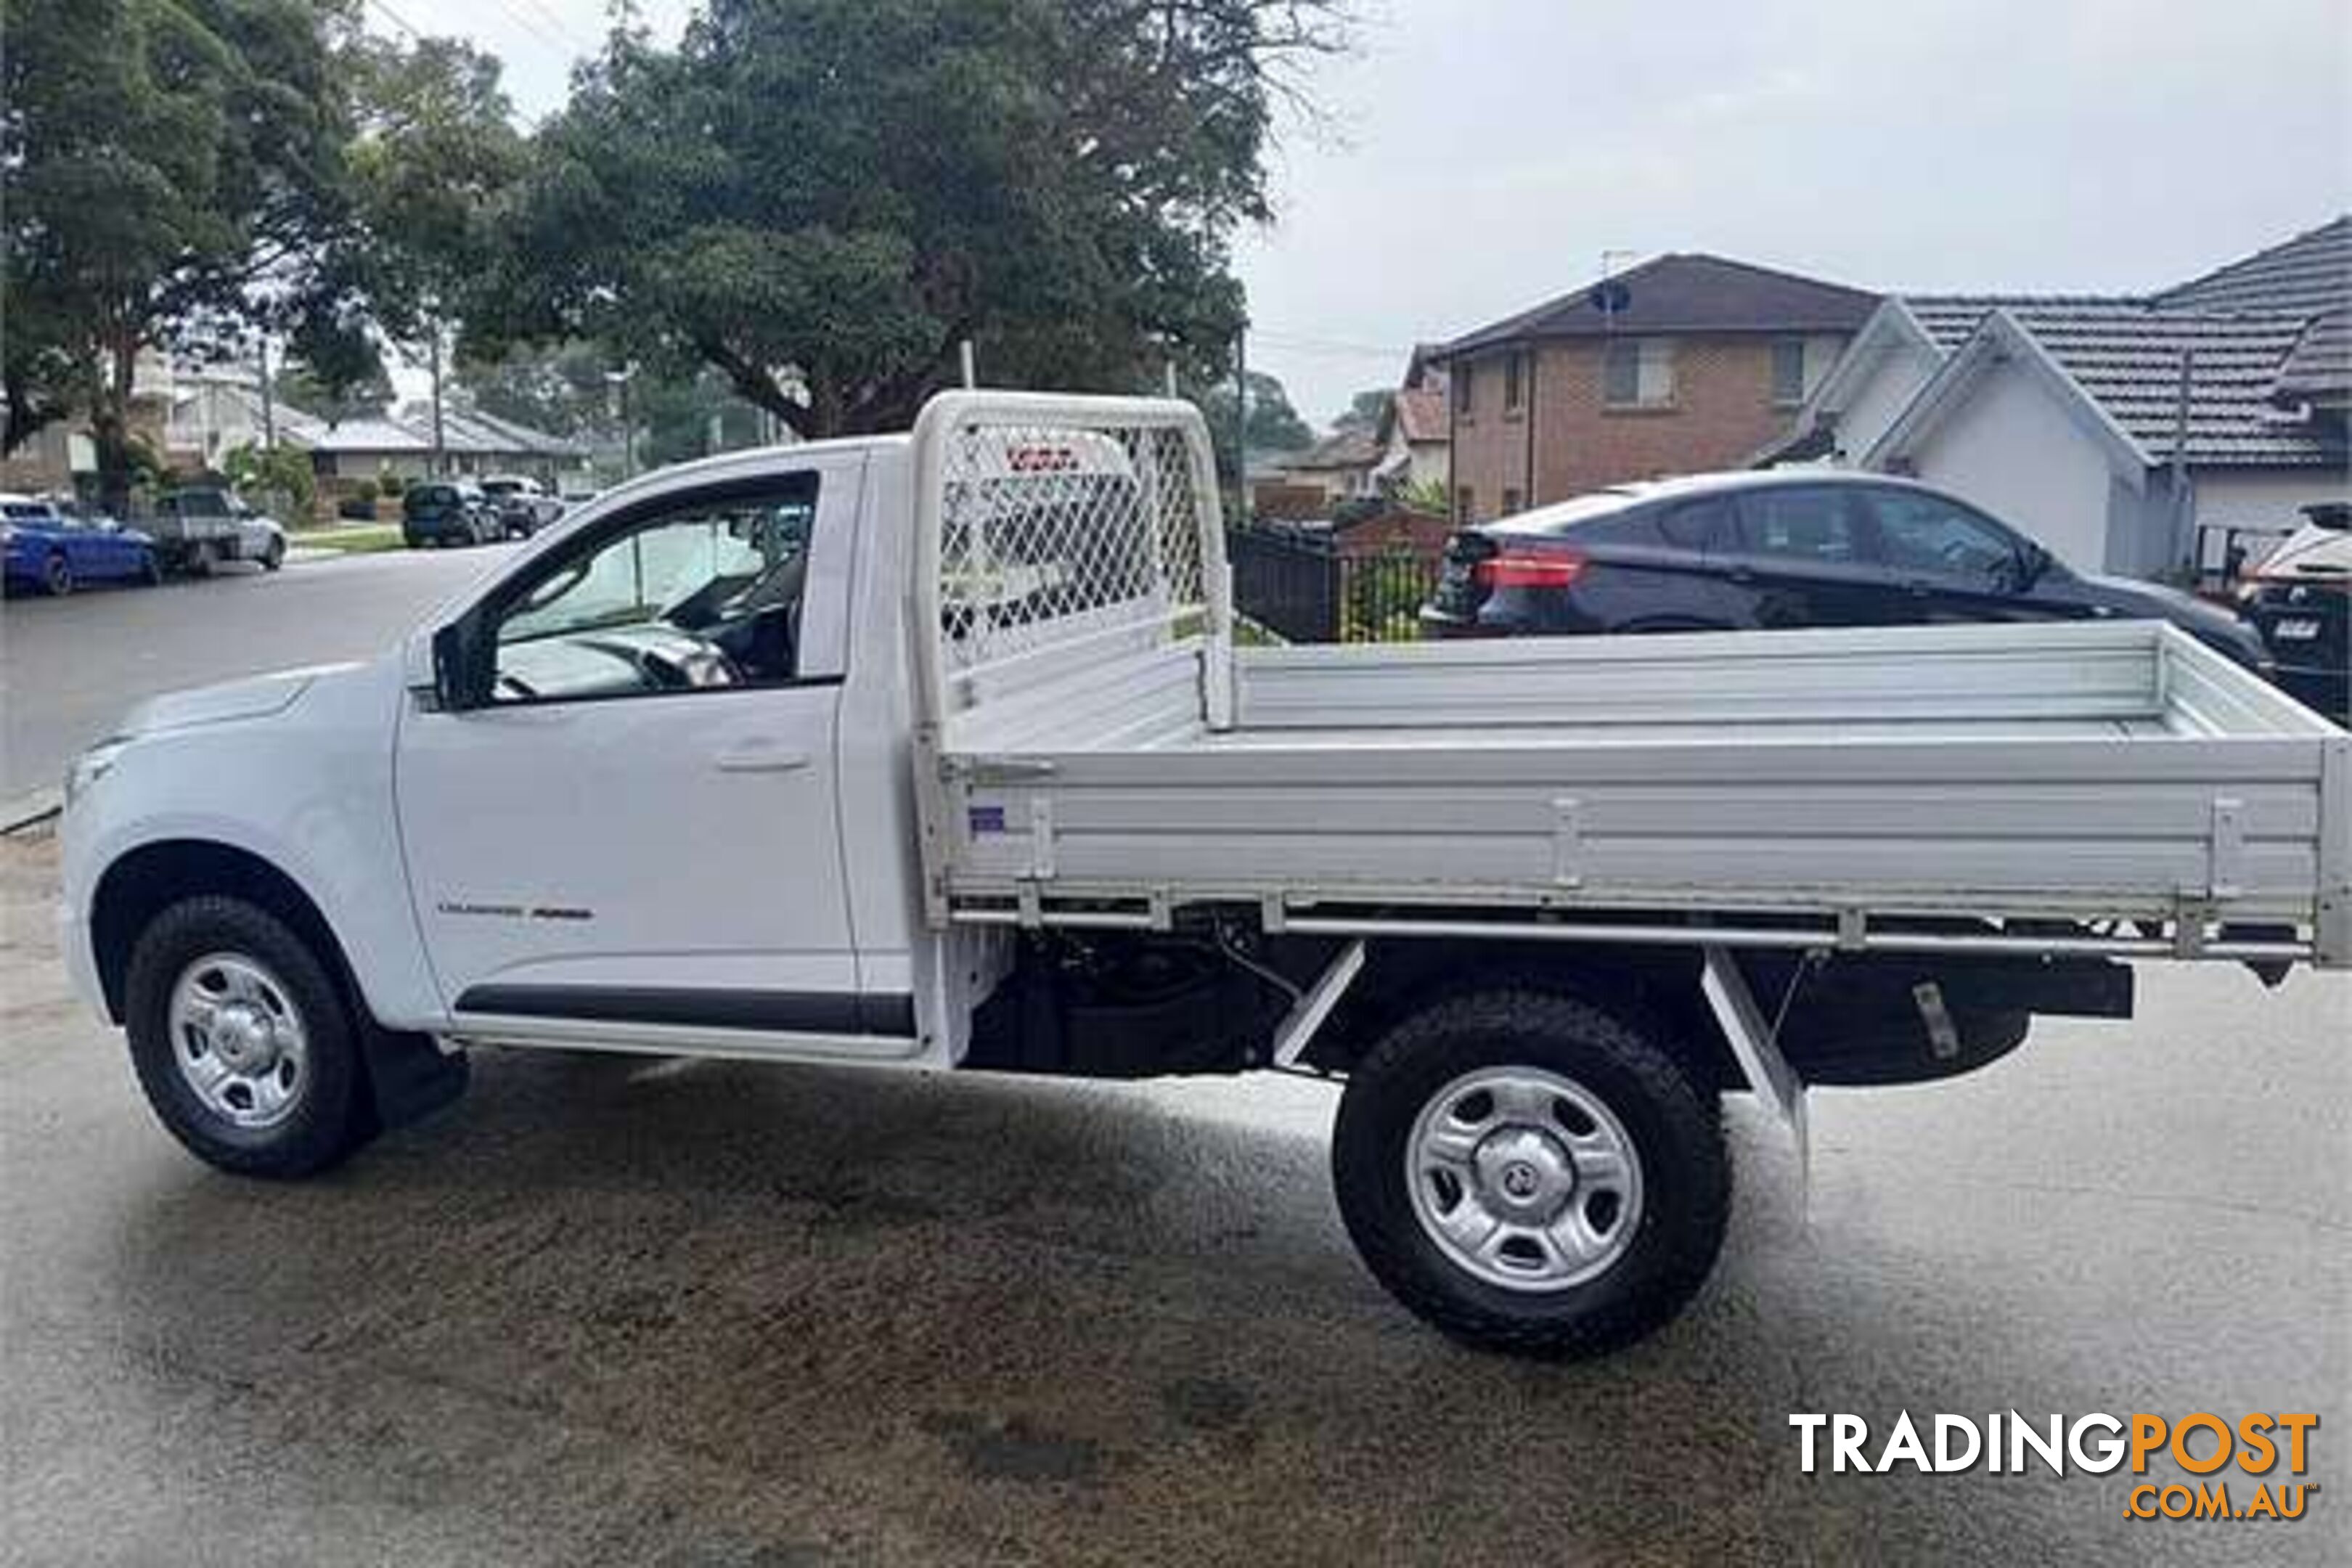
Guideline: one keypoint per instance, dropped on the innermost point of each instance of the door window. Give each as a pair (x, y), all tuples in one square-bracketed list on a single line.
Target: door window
[(1925, 533), (1697, 525), (704, 592), (1802, 523)]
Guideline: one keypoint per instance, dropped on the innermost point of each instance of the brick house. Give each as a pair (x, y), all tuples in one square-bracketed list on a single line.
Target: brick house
[(1684, 364)]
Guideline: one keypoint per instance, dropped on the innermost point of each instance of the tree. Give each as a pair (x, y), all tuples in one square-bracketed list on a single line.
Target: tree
[(336, 394), (1274, 426), (820, 199), (560, 389), (281, 473), (1364, 412), (170, 168), (184, 174)]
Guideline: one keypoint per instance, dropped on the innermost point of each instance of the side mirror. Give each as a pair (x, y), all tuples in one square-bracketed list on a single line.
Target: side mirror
[(457, 686)]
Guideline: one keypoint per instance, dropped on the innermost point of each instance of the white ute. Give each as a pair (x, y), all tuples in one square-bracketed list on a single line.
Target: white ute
[(936, 750)]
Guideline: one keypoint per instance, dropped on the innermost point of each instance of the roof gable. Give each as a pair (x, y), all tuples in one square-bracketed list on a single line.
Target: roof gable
[(2126, 363), (1685, 292), (2319, 369)]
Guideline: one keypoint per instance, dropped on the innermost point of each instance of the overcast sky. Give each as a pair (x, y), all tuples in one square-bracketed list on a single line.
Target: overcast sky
[(1483, 153)]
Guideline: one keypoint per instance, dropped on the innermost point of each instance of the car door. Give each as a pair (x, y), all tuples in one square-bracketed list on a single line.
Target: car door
[(1952, 562), (1803, 559), (88, 549), (630, 828)]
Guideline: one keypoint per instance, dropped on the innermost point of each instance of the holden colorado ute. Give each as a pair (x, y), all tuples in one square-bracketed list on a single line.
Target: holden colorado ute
[(936, 751)]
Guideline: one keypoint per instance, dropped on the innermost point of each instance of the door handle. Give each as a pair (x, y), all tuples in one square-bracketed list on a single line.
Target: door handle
[(760, 757)]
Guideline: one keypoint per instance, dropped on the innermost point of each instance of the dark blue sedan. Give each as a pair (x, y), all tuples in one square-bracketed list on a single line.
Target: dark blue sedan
[(47, 549)]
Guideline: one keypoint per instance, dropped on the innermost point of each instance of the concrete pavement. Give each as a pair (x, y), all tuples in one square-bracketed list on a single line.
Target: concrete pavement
[(618, 1312)]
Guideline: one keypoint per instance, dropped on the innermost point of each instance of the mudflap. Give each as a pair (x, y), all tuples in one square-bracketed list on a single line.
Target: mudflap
[(409, 1076)]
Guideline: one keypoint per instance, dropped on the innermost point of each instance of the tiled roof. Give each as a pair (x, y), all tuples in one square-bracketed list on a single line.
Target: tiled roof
[(2319, 369), (370, 434), (1420, 412), (2127, 357), (2304, 276), (1348, 449), (462, 430), (1686, 292)]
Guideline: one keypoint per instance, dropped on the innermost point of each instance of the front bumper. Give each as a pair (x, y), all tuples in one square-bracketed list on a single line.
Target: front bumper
[(81, 959)]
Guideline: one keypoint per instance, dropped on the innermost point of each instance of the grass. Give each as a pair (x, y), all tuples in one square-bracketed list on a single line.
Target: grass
[(352, 537)]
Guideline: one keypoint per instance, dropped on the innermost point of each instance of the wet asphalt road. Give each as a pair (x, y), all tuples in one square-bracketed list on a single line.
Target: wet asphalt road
[(608, 1310), (70, 668)]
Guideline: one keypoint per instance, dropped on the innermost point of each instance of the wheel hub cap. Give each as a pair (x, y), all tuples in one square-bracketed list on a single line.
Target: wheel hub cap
[(1524, 1178), (1525, 1171), (238, 1041)]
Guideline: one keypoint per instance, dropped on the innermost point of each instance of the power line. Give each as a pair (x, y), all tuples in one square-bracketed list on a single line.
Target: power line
[(394, 17)]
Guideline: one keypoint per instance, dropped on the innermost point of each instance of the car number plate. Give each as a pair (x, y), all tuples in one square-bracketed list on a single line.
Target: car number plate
[(2298, 630)]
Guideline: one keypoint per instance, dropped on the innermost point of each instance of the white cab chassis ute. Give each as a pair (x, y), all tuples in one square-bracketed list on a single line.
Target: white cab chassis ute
[(936, 751)]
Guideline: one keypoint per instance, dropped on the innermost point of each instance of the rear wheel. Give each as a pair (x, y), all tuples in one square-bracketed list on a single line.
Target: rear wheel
[(57, 574), (151, 569), (1529, 1173), (243, 1042)]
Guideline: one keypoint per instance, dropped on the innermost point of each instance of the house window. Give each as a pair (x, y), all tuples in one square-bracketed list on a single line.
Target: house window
[(1464, 504), (1789, 386), (1464, 376), (1512, 500), (1638, 372), (1515, 376)]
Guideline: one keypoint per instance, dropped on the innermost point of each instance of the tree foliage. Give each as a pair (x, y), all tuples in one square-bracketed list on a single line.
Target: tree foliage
[(181, 174), (167, 165), (1274, 426), (344, 391), (1364, 412), (819, 199), (282, 475)]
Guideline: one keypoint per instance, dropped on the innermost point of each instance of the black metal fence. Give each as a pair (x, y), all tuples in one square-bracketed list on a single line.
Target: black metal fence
[(1298, 582)]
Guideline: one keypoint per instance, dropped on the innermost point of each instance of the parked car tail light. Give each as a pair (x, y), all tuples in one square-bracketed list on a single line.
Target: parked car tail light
[(1519, 568)]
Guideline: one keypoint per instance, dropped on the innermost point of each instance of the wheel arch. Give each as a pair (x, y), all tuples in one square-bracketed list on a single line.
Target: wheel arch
[(1652, 989), (144, 881)]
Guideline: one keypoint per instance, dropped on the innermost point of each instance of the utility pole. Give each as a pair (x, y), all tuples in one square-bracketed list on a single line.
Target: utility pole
[(268, 405), (440, 450), (618, 380), (1241, 422)]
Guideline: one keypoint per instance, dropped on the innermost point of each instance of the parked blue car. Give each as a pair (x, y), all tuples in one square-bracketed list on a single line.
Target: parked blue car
[(48, 550)]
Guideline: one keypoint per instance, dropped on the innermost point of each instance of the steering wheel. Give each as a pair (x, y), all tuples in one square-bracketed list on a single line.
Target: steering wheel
[(701, 665)]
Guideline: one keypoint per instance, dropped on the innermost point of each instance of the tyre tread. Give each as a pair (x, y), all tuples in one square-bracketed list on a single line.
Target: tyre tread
[(1521, 1010)]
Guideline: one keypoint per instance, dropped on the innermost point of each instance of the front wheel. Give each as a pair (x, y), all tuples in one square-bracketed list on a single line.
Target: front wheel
[(274, 556), (243, 1042), (1530, 1174), (57, 575)]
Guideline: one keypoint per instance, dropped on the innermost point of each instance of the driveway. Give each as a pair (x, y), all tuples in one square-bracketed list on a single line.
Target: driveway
[(612, 1311), (609, 1310)]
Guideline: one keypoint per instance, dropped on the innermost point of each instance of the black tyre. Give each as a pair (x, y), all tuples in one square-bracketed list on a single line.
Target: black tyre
[(274, 556), (1530, 1174), (57, 575), (150, 570), (243, 1042)]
